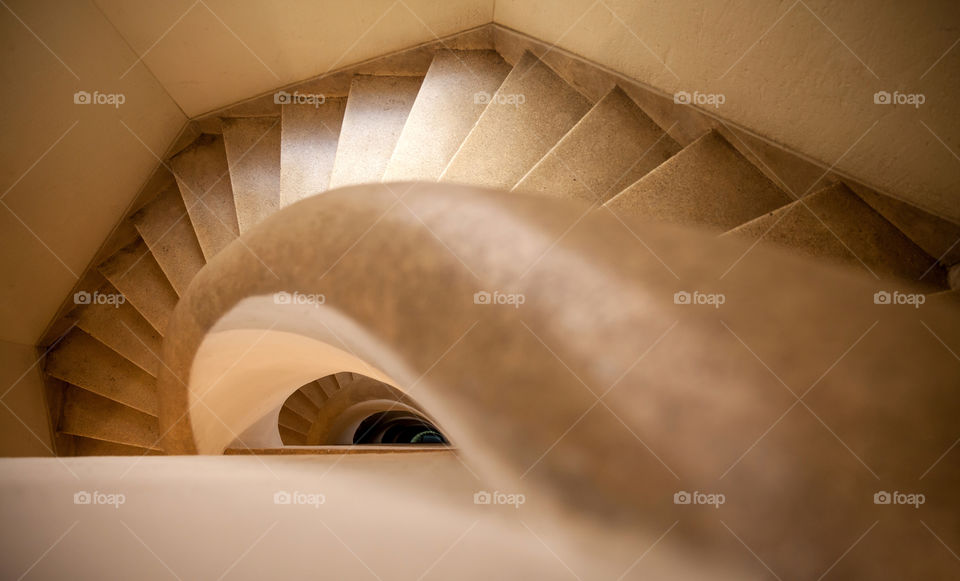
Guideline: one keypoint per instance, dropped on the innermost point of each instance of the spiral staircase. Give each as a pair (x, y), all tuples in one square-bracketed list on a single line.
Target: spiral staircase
[(461, 113)]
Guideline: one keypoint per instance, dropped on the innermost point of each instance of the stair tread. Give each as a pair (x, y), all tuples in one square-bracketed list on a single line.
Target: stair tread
[(936, 236), (252, 145), (123, 329), (292, 420), (316, 394), (135, 273), (328, 385), (302, 405), (203, 177), (92, 416), (445, 111), (376, 111), (90, 447), (834, 223), (81, 360), (708, 183), (610, 148), (167, 231), (510, 137), (308, 147), (291, 437)]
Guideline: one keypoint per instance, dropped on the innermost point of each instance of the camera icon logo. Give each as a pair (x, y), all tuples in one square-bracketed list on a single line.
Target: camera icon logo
[(481, 298), (82, 497), (82, 298), (682, 98), (681, 298), (482, 497), (882, 98), (882, 497), (282, 298), (282, 98), (281, 497), (682, 497), (881, 298), (481, 98), (81, 98)]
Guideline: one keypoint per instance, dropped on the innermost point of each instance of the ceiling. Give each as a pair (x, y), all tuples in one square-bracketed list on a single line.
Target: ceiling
[(802, 74)]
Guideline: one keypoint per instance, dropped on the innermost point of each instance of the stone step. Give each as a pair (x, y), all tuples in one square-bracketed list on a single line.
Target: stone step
[(526, 117), (135, 273), (292, 437), (82, 361), (308, 147), (328, 385), (833, 223), (166, 228), (123, 329), (302, 405), (707, 184), (613, 146), (316, 394), (92, 416), (376, 111), (252, 145), (292, 420), (90, 447), (203, 176), (454, 94)]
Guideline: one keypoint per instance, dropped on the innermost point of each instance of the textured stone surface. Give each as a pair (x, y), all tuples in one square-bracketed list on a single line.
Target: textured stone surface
[(165, 226), (90, 447), (136, 274), (528, 114), (308, 146), (938, 237), (706, 184), (316, 394), (614, 145), (834, 223), (81, 360), (376, 110), (204, 179), (451, 99), (302, 405), (123, 329), (252, 145), (293, 421), (89, 415)]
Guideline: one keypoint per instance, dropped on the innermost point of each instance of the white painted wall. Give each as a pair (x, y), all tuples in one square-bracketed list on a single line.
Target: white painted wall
[(24, 428), (67, 171), (218, 52)]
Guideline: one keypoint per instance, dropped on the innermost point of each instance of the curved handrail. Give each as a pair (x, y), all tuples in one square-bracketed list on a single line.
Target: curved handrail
[(599, 391)]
